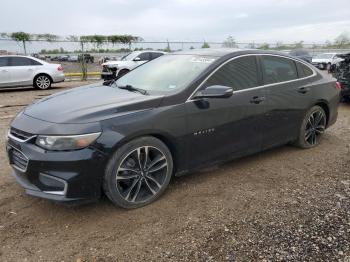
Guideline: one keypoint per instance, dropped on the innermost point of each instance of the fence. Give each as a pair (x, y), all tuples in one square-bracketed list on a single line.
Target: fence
[(61, 47)]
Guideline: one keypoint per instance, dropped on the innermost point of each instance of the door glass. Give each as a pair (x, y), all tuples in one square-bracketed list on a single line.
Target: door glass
[(155, 55), (144, 56), (21, 61), (240, 73), (3, 61), (278, 69)]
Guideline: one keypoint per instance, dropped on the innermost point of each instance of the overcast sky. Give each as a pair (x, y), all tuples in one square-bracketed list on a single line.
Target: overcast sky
[(192, 20)]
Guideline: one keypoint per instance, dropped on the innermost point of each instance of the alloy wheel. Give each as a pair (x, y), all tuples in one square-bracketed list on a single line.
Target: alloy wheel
[(315, 127), (141, 174), (43, 82)]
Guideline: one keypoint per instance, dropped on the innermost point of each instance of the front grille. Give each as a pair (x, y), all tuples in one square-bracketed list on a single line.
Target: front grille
[(18, 159), (21, 135)]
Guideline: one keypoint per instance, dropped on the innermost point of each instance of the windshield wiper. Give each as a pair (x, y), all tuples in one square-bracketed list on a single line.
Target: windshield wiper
[(132, 88)]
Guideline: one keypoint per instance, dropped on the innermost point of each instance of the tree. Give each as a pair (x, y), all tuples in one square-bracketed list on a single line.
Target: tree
[(230, 43), (21, 37), (298, 45), (264, 46), (251, 46), (342, 40), (205, 45)]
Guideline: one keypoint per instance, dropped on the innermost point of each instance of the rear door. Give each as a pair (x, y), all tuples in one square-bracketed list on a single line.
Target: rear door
[(288, 98), (5, 76), (22, 70), (223, 128)]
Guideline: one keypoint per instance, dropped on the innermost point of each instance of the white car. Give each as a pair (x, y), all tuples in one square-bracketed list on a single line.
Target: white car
[(115, 69), (325, 60), (26, 71)]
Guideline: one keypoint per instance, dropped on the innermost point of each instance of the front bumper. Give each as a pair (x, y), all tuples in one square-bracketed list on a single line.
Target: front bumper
[(69, 176), (320, 65)]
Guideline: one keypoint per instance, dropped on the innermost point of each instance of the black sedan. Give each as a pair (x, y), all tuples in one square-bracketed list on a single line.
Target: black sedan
[(173, 115)]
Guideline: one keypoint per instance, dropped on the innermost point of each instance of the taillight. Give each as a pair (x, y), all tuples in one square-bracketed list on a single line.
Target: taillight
[(338, 85), (60, 68)]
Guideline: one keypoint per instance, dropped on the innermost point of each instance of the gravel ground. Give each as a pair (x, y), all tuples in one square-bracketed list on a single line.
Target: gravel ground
[(284, 204)]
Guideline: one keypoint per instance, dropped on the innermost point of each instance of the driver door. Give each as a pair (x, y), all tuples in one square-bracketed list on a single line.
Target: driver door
[(224, 128)]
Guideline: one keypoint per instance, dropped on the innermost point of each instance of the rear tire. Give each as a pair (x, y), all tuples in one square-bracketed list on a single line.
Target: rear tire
[(42, 82), (138, 173), (312, 128)]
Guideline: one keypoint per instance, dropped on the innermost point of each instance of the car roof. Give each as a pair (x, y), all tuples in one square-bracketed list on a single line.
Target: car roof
[(230, 52), (26, 56)]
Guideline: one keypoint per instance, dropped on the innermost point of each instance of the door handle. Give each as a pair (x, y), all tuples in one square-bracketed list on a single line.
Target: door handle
[(303, 90), (257, 99), (4, 70)]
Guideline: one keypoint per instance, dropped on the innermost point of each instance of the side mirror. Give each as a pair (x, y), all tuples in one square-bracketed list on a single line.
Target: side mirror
[(215, 92), (137, 59)]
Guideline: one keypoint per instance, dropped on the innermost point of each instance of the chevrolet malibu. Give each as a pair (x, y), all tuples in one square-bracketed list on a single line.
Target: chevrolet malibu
[(171, 116)]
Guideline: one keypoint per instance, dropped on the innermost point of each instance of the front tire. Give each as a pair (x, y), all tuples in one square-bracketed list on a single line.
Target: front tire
[(42, 82), (138, 173), (122, 73), (312, 128)]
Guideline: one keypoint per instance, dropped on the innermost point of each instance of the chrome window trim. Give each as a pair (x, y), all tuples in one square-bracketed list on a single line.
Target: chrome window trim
[(9, 135), (60, 193), (314, 73)]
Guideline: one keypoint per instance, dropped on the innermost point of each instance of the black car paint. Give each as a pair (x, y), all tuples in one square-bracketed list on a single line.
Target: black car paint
[(198, 132)]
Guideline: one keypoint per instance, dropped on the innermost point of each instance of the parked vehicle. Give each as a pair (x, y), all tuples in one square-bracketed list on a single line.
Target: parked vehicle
[(73, 58), (342, 74), (325, 60), (177, 113), (26, 71), (115, 69), (87, 57), (301, 54)]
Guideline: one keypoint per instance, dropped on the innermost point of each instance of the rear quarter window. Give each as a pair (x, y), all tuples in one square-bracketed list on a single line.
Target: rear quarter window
[(304, 70), (278, 69)]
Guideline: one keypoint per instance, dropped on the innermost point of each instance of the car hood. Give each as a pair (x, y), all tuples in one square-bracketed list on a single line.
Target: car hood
[(116, 63), (321, 60), (90, 103)]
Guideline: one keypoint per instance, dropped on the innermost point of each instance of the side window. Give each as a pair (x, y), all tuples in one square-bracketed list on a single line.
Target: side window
[(303, 70), (240, 73), (144, 56), (4, 61), (155, 55), (278, 69), (22, 61)]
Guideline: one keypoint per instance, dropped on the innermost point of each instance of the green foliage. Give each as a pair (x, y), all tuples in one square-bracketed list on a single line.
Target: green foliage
[(264, 46), (205, 45), (298, 45), (47, 37), (230, 43), (20, 36), (342, 40)]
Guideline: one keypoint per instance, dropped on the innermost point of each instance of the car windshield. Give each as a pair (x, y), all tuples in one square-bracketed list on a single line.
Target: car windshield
[(130, 56), (168, 73), (324, 56)]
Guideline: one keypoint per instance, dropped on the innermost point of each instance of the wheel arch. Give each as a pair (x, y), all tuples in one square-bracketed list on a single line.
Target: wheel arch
[(42, 73), (324, 105), (163, 137)]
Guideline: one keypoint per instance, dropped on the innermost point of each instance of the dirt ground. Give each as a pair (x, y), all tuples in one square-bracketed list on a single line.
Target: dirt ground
[(285, 204)]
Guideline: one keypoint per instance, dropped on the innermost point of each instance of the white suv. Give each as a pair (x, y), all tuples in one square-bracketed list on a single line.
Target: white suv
[(26, 71), (325, 60), (115, 69)]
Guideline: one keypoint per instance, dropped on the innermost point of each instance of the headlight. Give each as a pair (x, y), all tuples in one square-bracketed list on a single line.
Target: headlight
[(60, 143)]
